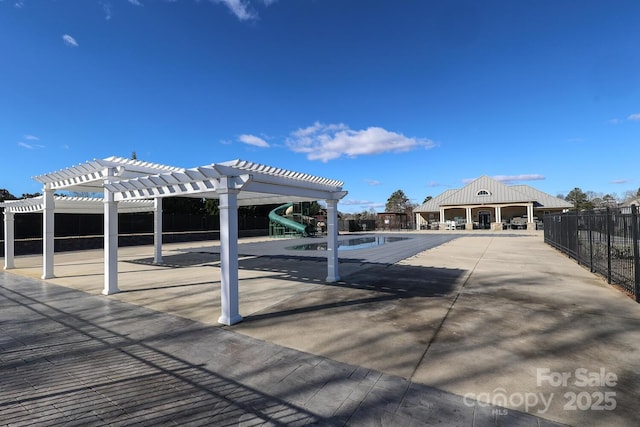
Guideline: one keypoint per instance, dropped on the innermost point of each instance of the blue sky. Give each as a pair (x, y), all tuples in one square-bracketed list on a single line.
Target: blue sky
[(384, 95)]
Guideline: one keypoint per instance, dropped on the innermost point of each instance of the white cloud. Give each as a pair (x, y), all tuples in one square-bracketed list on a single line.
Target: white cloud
[(351, 202), (372, 182), (634, 117), (135, 2), (614, 121), (31, 138), (240, 8), (507, 179), (106, 7), (620, 181), (328, 142), (365, 204), (433, 184), (70, 41), (253, 140), (513, 178), (29, 146)]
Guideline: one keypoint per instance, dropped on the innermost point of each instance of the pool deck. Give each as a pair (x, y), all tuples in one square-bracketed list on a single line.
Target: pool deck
[(417, 332)]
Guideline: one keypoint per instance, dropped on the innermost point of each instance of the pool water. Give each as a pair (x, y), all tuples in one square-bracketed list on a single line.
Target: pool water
[(350, 244)]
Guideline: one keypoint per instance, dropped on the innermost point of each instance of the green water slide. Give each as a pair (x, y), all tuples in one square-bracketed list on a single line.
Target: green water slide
[(277, 217)]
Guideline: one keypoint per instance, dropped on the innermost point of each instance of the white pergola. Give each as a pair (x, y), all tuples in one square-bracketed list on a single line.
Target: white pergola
[(128, 185)]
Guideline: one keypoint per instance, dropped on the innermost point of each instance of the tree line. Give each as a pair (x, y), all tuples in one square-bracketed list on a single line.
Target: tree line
[(398, 202), (589, 200)]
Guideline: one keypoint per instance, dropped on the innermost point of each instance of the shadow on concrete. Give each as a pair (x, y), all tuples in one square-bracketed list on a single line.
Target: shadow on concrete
[(86, 363), (181, 260), (373, 283), (156, 288), (60, 367)]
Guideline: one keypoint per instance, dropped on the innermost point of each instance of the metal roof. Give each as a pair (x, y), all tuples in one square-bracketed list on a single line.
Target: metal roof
[(486, 190), (74, 205), (433, 205), (497, 193), (543, 199)]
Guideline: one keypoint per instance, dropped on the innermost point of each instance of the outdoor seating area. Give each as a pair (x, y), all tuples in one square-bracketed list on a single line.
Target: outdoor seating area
[(515, 223), (457, 224)]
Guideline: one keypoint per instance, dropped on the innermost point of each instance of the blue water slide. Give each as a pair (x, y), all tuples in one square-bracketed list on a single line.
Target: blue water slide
[(276, 216)]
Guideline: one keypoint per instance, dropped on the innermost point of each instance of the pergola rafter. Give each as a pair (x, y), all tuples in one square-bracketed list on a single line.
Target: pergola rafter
[(90, 175)]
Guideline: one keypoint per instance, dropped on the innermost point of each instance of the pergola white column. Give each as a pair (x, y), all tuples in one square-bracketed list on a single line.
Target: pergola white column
[(333, 274), (468, 215), (442, 219), (498, 214), (48, 221), (157, 230), (229, 294), (9, 239), (110, 239)]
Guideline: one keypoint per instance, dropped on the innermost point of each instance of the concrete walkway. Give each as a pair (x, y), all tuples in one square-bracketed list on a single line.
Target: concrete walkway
[(460, 321)]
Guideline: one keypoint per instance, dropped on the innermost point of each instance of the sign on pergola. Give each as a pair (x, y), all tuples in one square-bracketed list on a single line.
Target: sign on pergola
[(126, 184)]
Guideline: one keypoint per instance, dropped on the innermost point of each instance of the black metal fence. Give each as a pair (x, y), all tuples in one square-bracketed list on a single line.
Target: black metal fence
[(604, 241)]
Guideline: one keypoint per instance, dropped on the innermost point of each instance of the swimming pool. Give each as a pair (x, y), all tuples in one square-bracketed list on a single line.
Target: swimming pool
[(349, 244)]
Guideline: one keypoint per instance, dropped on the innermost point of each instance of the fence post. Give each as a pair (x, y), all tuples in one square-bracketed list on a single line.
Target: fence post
[(636, 255), (591, 241), (609, 220), (577, 236)]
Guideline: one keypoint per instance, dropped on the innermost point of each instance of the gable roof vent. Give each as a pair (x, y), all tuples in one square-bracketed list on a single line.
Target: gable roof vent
[(483, 193)]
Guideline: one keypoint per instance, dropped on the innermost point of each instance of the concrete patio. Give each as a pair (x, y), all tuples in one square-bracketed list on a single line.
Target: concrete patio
[(417, 332)]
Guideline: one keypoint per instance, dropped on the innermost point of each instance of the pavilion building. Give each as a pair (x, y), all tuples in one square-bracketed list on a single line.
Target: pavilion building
[(486, 203)]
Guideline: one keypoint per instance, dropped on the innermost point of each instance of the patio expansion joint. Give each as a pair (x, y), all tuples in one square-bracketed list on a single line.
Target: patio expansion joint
[(444, 318)]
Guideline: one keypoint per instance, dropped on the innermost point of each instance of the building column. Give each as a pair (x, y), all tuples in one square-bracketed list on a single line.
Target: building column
[(530, 212), (442, 220), (530, 224), (9, 239), (418, 221), (333, 275), (48, 223), (157, 230), (468, 215), (499, 214), (229, 294), (110, 239)]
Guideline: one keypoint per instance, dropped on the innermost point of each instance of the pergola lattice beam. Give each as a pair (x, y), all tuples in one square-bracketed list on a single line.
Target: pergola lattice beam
[(92, 173), (188, 183), (260, 184), (74, 205)]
